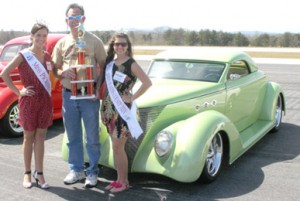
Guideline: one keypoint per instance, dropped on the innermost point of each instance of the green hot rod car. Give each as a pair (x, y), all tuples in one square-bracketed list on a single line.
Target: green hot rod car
[(206, 108)]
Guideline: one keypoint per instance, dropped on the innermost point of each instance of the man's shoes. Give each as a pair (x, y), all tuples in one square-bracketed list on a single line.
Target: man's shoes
[(91, 181), (74, 177)]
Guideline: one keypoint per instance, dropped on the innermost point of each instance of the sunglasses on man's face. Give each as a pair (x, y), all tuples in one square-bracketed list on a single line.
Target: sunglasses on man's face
[(120, 44), (78, 17)]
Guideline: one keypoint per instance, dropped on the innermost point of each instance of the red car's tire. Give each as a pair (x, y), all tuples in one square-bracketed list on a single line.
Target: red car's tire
[(9, 123)]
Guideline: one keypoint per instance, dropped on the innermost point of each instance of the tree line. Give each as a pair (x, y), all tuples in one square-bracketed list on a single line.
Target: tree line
[(182, 37)]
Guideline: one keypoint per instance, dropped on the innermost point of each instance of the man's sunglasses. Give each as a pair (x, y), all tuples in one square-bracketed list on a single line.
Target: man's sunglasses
[(122, 44), (78, 17)]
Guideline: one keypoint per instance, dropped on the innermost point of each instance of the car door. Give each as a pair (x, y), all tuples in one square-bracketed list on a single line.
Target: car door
[(242, 91)]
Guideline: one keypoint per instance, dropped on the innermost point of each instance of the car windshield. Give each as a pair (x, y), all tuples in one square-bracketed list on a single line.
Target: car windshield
[(201, 71), (9, 52)]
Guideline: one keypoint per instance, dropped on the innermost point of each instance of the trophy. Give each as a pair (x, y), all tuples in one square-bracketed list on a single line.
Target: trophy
[(82, 66)]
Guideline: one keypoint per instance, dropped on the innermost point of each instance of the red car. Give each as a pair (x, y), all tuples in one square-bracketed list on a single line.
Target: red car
[(9, 111)]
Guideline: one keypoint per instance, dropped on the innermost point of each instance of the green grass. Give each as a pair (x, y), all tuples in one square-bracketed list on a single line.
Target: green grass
[(259, 54), (285, 55), (146, 52)]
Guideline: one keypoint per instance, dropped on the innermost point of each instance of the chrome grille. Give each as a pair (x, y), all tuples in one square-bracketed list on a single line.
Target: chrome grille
[(147, 117)]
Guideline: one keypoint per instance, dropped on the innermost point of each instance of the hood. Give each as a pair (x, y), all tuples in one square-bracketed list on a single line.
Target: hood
[(168, 91)]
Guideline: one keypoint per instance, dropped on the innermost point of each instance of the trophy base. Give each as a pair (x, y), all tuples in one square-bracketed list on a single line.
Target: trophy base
[(82, 97)]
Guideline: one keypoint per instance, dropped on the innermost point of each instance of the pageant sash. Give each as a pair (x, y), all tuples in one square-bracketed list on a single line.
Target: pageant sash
[(38, 69), (128, 115)]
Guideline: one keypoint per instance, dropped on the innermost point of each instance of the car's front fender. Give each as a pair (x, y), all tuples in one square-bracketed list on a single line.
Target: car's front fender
[(192, 138)]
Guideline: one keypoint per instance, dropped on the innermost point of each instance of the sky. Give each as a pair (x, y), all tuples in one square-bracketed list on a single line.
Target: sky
[(269, 16)]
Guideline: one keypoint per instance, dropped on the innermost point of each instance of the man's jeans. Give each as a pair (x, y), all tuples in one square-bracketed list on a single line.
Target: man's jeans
[(74, 111)]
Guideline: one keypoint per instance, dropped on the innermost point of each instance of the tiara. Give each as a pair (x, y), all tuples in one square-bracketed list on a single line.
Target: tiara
[(42, 22)]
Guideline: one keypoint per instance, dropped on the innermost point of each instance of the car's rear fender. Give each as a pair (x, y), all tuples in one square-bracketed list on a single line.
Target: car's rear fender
[(192, 138), (270, 101), (7, 98)]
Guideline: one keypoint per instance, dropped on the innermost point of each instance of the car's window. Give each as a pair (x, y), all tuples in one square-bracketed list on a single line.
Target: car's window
[(9, 52), (237, 69), (201, 71)]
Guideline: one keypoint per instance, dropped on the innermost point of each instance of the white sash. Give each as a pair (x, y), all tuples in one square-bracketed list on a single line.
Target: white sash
[(128, 115), (38, 69)]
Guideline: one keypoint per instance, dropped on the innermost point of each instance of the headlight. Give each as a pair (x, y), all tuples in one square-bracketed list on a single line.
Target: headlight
[(163, 142)]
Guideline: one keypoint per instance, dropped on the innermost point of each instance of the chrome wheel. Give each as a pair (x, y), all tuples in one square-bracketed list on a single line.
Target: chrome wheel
[(214, 155), (278, 114), (214, 159), (13, 119), (9, 124)]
